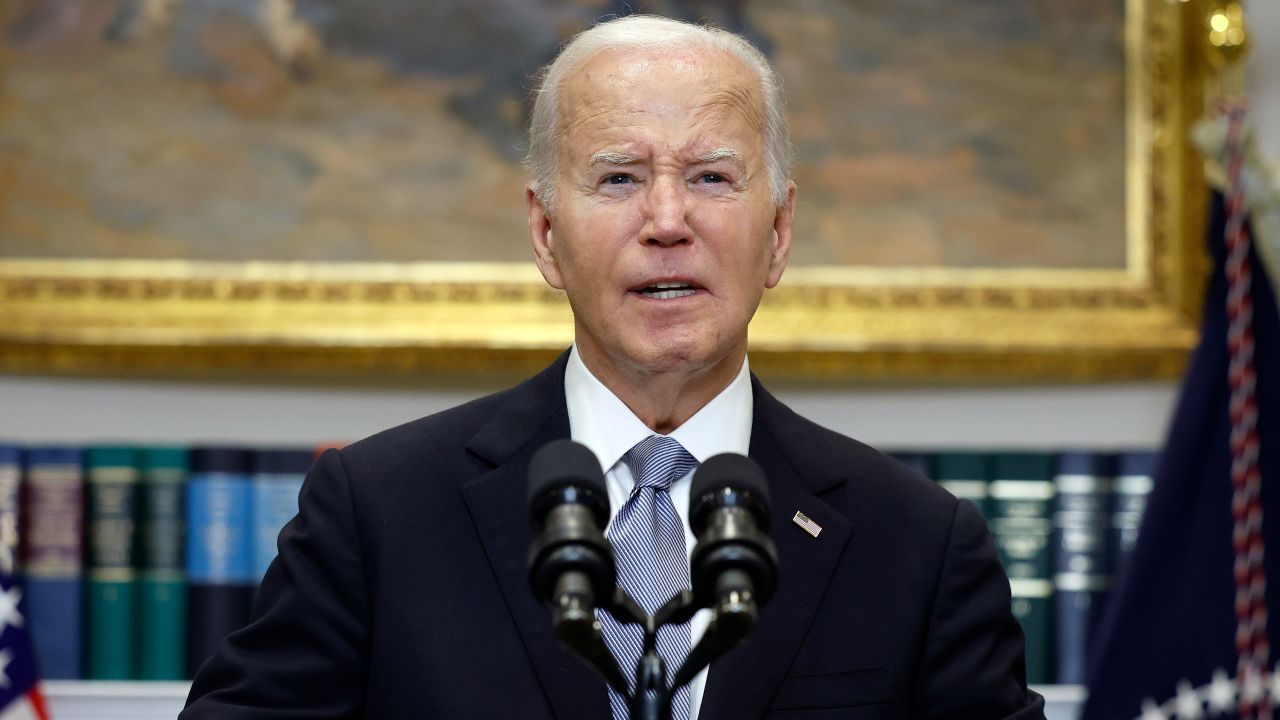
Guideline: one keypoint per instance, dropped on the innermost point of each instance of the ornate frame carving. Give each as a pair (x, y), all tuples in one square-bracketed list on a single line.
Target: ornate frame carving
[(149, 317)]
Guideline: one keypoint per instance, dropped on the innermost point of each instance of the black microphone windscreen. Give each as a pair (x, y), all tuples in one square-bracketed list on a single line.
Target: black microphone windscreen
[(565, 462), (731, 470)]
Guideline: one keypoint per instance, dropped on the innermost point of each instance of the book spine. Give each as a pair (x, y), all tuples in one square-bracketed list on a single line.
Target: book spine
[(1133, 483), (219, 560), (965, 475), (52, 559), (162, 580), (1021, 503), (275, 502), (10, 477), (111, 508), (1083, 577)]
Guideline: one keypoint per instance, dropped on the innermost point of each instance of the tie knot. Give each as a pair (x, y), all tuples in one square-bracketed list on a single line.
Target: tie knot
[(657, 461)]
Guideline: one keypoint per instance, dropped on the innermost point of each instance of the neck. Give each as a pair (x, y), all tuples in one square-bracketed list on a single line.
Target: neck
[(662, 399)]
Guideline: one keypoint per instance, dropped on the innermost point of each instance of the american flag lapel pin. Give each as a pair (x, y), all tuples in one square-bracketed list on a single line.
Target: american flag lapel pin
[(806, 524)]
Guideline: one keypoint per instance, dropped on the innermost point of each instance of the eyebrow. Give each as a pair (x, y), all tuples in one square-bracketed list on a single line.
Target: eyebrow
[(613, 157), (720, 153), (610, 157)]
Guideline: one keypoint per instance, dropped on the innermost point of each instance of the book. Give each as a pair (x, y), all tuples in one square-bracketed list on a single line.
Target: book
[(1082, 579), (162, 582), (1021, 493), (965, 475), (1135, 476), (277, 479), (51, 558), (111, 501), (219, 548), (10, 475)]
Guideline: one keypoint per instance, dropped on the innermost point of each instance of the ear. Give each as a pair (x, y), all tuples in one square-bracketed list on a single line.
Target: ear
[(543, 242), (782, 223)]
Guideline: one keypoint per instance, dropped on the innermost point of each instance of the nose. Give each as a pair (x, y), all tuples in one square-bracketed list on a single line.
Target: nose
[(667, 213)]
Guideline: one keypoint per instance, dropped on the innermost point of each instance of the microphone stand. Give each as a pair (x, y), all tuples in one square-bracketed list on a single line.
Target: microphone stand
[(733, 617)]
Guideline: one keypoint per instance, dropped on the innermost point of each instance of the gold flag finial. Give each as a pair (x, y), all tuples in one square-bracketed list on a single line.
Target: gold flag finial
[(1228, 42)]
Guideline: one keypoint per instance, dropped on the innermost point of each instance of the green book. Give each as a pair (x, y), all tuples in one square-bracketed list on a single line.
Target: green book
[(965, 475), (1021, 493), (162, 582), (111, 497)]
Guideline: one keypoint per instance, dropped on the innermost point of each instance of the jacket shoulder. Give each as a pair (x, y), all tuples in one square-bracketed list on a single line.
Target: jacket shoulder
[(426, 437), (827, 459), (469, 437)]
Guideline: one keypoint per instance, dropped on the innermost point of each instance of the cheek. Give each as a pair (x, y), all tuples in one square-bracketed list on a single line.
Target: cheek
[(587, 254), (743, 247), (725, 234), (604, 226)]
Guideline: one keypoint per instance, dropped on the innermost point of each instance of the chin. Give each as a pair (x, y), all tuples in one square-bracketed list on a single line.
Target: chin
[(668, 356)]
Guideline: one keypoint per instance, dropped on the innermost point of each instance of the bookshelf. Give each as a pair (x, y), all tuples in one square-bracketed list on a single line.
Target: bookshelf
[(72, 700), (88, 411), (85, 700)]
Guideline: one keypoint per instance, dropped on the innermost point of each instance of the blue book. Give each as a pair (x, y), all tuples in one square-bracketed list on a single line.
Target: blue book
[(277, 479), (1135, 472), (219, 551), (1082, 579), (52, 558)]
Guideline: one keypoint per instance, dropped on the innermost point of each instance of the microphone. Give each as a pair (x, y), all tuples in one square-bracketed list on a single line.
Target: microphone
[(734, 566), (571, 567), (570, 563)]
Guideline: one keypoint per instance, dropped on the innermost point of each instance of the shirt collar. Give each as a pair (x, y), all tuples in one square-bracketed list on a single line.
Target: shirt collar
[(602, 422)]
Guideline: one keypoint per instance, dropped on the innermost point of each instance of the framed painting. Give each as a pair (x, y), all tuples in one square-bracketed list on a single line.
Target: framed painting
[(988, 190)]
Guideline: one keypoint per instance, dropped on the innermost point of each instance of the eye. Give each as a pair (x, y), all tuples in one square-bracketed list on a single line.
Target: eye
[(617, 179), (712, 178)]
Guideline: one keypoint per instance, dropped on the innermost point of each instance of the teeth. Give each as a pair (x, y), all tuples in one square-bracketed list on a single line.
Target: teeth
[(669, 294), (669, 285)]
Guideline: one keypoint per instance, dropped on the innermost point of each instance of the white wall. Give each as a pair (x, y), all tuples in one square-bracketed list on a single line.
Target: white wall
[(1263, 73), (46, 409), (83, 410)]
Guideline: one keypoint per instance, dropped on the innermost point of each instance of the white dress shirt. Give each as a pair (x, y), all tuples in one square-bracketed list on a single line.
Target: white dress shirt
[(602, 422)]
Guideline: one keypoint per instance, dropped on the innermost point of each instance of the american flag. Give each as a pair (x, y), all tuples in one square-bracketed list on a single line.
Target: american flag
[(807, 524), (1190, 627), (20, 697)]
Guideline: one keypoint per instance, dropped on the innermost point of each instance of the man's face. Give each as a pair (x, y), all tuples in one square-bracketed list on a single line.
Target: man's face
[(664, 234)]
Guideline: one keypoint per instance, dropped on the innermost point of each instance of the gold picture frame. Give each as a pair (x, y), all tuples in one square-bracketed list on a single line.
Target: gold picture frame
[(381, 319)]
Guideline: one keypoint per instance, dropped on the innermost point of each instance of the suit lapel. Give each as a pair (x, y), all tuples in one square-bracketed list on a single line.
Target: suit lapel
[(743, 682), (533, 415)]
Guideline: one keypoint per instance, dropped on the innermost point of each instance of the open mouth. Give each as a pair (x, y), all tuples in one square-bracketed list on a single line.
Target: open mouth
[(668, 290)]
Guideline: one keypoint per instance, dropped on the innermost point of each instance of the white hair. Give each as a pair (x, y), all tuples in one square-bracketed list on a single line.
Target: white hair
[(649, 32)]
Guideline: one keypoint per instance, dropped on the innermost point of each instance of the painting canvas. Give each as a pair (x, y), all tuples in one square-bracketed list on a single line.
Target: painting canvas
[(988, 190), (982, 134)]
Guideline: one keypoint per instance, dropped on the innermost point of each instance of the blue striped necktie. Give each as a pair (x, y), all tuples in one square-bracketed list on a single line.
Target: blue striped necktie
[(648, 542)]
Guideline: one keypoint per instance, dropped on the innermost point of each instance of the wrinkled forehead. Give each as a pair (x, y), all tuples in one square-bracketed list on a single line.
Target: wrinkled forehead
[(615, 88)]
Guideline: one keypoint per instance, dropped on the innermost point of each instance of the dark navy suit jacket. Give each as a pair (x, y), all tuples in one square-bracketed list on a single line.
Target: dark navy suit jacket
[(400, 590)]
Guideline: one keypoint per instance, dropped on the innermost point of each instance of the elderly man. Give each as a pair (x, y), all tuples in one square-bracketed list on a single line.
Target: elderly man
[(662, 205)]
